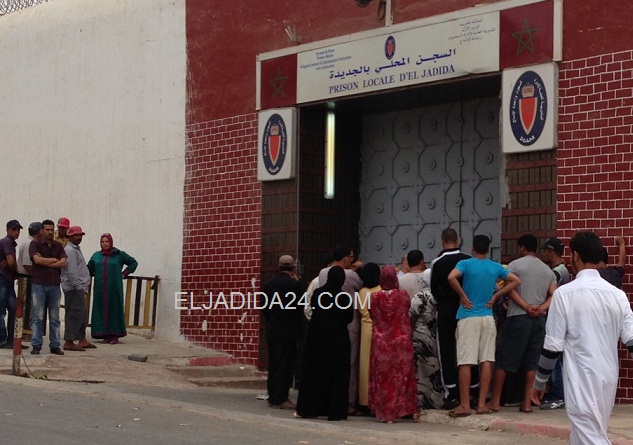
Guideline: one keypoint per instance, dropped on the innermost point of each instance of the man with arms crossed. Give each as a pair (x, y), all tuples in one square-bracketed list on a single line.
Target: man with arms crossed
[(48, 259), (585, 320)]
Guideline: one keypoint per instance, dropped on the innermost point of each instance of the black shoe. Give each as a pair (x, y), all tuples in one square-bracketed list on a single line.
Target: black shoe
[(450, 404), (35, 351), (57, 351)]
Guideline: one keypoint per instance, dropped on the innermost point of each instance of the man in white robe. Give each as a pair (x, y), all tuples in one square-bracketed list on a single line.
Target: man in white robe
[(585, 320)]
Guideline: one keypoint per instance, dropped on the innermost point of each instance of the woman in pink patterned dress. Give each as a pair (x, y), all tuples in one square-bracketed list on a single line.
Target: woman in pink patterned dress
[(392, 379)]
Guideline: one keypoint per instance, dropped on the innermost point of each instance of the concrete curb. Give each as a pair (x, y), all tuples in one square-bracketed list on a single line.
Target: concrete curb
[(516, 426), (442, 418), (210, 361), (489, 422), (192, 361)]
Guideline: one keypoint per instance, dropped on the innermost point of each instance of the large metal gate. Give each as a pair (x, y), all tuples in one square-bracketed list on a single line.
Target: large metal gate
[(427, 169)]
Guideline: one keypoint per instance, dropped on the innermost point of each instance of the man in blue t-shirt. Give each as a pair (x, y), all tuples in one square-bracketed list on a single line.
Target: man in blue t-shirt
[(476, 331)]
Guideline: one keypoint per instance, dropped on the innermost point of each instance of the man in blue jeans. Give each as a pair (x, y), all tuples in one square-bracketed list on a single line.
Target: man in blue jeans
[(553, 256), (48, 259), (8, 268)]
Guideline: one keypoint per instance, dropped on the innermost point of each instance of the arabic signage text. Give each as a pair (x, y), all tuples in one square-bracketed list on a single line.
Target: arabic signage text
[(441, 51)]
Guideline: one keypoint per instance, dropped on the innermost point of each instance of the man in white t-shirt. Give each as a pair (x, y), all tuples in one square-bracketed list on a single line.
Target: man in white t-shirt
[(25, 268), (418, 278), (24, 261)]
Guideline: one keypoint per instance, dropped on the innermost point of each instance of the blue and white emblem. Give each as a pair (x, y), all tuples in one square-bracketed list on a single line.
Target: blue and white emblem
[(528, 108), (274, 144)]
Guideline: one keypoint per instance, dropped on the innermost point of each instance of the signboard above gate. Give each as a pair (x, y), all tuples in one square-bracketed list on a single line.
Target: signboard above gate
[(427, 54), (406, 55)]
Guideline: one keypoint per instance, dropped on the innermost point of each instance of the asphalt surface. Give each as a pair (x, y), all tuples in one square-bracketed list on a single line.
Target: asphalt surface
[(38, 411), (124, 381)]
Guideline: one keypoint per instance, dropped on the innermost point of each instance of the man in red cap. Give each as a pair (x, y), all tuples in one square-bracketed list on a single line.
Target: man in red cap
[(75, 284), (61, 235)]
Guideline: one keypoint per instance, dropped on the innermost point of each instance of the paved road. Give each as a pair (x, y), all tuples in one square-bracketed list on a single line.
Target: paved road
[(33, 411)]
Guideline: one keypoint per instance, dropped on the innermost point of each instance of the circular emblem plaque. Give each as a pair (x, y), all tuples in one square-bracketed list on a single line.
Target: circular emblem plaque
[(528, 108), (274, 144)]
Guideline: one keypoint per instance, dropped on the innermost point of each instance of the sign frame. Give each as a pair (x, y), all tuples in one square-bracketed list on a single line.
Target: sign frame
[(529, 108), (276, 144)]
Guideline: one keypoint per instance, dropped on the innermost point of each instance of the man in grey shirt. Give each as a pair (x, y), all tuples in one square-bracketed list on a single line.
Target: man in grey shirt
[(523, 332), (75, 284), (553, 256)]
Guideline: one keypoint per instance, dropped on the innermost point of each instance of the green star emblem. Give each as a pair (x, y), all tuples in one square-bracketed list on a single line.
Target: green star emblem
[(278, 83), (525, 37)]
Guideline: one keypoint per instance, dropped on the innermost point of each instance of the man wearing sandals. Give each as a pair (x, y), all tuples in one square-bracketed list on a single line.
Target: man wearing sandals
[(476, 331)]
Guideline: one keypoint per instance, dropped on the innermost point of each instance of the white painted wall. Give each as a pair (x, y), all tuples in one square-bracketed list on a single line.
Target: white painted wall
[(92, 127)]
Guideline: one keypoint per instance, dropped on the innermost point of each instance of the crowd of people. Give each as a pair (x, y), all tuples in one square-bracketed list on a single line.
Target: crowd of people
[(51, 261), (463, 335)]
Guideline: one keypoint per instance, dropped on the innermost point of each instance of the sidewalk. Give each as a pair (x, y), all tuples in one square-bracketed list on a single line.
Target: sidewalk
[(550, 423), (111, 363)]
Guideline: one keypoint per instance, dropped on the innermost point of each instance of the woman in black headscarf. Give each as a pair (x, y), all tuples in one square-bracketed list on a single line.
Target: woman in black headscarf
[(323, 390)]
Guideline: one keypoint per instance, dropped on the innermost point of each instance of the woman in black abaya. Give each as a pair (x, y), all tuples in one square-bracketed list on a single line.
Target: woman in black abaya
[(323, 390)]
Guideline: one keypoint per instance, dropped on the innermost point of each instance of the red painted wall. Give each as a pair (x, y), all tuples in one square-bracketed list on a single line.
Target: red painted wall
[(595, 161), (222, 236), (595, 154), (595, 27), (224, 38)]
